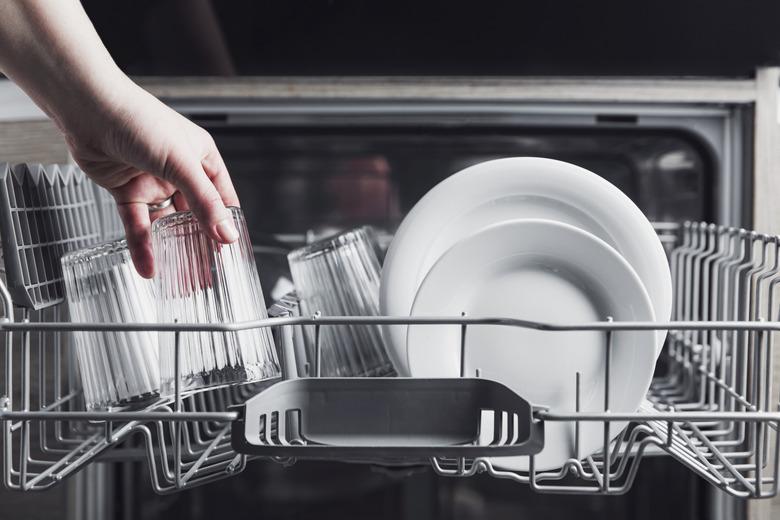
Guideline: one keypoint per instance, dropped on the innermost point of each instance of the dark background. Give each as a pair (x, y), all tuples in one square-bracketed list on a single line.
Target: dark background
[(339, 37)]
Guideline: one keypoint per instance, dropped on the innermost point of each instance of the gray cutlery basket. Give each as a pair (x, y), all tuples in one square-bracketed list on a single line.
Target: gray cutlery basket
[(386, 418)]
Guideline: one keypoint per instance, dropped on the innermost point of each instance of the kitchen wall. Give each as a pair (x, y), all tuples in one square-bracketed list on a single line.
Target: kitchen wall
[(26, 134)]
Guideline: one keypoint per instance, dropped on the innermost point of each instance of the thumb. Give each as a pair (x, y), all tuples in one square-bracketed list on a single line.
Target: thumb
[(203, 198)]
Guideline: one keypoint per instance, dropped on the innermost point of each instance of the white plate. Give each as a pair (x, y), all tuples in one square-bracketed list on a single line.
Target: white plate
[(549, 272), (507, 189)]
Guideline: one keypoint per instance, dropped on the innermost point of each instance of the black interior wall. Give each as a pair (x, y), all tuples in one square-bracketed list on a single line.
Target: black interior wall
[(339, 37)]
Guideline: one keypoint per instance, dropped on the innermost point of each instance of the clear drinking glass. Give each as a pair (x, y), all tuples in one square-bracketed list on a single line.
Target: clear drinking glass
[(201, 281), (102, 286), (340, 277)]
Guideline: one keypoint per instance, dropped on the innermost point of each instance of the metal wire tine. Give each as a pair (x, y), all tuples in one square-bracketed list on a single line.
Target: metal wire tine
[(697, 454), (691, 339), (577, 408), (776, 461), (707, 247), (730, 307), (532, 472), (709, 293), (148, 440), (722, 459), (217, 401), (746, 270), (740, 351), (162, 451), (759, 443), (24, 451), (41, 366), (727, 244), (756, 376), (697, 245), (600, 478), (607, 377), (683, 279), (463, 348), (773, 279), (317, 347), (6, 401), (676, 260), (204, 456), (8, 306), (624, 448), (706, 336), (178, 407)]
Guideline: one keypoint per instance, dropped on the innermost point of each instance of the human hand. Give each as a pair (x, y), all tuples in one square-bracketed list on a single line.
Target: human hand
[(144, 152), (122, 137)]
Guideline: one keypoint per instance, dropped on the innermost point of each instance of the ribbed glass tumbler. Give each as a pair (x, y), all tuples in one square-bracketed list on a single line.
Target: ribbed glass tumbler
[(340, 277), (199, 280), (102, 286)]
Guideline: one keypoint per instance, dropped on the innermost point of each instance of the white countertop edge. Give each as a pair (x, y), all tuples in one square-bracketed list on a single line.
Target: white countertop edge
[(15, 105)]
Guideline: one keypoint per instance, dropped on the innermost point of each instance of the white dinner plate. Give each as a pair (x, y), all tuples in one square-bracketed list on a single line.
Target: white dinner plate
[(543, 271), (508, 189)]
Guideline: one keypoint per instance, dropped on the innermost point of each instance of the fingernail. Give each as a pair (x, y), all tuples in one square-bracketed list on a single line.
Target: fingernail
[(227, 230)]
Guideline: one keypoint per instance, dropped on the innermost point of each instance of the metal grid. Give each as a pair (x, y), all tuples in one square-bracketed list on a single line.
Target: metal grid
[(45, 211), (713, 407), (48, 437)]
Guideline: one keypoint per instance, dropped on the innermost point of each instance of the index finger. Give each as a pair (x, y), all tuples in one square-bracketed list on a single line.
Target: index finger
[(135, 218), (215, 169)]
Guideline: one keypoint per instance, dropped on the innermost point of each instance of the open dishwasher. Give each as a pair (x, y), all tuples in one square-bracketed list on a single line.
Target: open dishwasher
[(299, 181), (712, 406)]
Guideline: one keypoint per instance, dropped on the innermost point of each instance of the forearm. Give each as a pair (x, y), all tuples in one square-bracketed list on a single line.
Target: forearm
[(51, 50)]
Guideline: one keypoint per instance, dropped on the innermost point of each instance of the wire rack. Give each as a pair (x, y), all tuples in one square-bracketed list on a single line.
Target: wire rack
[(712, 405), (45, 211)]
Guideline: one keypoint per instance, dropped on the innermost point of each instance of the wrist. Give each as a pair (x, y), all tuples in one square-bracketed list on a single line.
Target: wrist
[(84, 103)]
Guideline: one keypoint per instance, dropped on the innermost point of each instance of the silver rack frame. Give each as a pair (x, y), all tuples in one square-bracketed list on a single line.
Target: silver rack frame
[(713, 408)]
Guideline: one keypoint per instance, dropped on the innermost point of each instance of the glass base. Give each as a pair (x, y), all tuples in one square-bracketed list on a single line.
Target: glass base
[(386, 370), (223, 376), (130, 403)]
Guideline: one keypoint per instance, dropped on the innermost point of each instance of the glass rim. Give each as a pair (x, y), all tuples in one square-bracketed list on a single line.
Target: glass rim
[(96, 251), (350, 236), (180, 217)]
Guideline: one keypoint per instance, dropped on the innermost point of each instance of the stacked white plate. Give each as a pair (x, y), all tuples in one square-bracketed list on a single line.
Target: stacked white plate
[(535, 239)]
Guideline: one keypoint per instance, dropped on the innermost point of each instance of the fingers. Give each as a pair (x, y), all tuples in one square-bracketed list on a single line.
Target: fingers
[(135, 217), (164, 212), (180, 202), (203, 198), (215, 168)]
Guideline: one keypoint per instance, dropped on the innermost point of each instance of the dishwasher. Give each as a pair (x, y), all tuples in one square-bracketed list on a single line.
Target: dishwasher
[(311, 167)]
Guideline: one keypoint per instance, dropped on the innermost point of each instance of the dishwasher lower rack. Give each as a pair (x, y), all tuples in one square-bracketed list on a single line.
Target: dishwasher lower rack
[(712, 406), (719, 424)]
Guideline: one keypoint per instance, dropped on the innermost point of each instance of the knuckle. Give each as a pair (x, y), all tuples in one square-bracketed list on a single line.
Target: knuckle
[(207, 202), (169, 171)]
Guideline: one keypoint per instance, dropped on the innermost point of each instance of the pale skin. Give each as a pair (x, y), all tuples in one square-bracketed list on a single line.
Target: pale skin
[(123, 137)]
